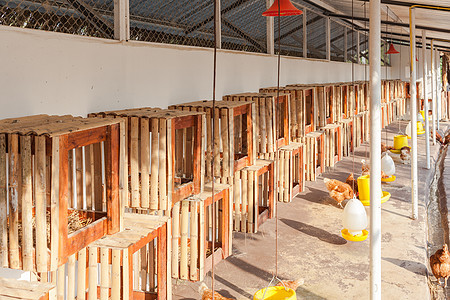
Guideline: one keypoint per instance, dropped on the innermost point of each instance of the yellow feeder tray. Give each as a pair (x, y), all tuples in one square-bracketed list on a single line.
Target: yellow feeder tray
[(275, 293), (389, 179), (354, 238), (397, 151), (384, 198)]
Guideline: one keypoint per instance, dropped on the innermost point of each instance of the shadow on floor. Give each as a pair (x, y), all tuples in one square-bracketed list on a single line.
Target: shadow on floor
[(412, 266), (315, 232)]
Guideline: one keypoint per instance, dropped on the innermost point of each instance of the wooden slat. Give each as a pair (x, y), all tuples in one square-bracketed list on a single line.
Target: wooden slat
[(216, 149), (61, 278), (143, 268), (98, 189), (79, 176), (104, 273), (115, 277), (175, 238), (184, 239), (287, 175), (225, 144), (3, 205), (163, 165), (92, 288), (264, 112), (134, 161), (154, 201), (251, 201), (194, 240), (126, 275), (81, 275), (145, 163), (27, 204), (202, 240), (281, 178), (244, 211), (14, 164), (71, 278), (89, 171), (208, 144), (170, 167), (237, 202)]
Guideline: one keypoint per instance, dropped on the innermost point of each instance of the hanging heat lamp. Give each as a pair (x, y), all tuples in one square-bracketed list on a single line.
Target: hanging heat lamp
[(392, 49), (286, 9)]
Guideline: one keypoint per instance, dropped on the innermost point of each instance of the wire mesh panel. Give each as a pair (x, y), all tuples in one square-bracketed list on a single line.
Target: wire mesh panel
[(291, 35), (243, 26), (316, 36), (351, 46), (81, 17), (173, 22), (337, 41), (364, 47)]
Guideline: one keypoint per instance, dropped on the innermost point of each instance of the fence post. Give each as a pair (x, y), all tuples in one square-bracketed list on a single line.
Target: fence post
[(270, 31), (121, 20)]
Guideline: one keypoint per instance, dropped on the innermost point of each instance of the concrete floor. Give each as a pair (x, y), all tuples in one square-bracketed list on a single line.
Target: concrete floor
[(311, 247)]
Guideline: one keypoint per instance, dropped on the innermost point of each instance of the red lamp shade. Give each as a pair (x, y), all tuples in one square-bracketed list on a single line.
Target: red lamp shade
[(392, 50), (286, 9)]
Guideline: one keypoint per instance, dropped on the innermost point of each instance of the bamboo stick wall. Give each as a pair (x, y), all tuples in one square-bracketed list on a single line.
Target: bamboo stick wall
[(164, 150), (34, 155)]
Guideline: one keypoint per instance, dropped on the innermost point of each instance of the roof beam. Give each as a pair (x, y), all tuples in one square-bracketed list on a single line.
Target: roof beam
[(243, 34), (200, 24), (408, 4)]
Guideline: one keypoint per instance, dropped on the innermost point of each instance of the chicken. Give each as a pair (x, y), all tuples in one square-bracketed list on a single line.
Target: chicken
[(207, 293), (385, 148), (365, 168), (351, 181), (440, 264), (291, 284), (439, 138), (405, 155), (338, 190), (447, 139)]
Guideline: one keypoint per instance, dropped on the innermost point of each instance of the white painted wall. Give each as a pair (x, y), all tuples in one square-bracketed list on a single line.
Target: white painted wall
[(54, 73)]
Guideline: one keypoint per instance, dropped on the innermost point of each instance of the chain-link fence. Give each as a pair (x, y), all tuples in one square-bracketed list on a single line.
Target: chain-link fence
[(81, 17), (187, 22)]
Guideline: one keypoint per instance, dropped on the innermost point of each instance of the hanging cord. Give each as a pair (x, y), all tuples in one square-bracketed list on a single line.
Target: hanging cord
[(354, 97), (365, 70), (213, 206), (386, 69), (276, 113)]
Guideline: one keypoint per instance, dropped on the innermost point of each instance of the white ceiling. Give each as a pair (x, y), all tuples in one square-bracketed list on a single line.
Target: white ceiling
[(424, 17)]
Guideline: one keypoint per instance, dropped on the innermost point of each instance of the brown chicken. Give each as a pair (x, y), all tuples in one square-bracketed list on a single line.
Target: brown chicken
[(440, 264), (385, 148), (366, 170), (292, 284), (207, 294), (439, 138), (405, 155), (447, 139), (351, 181), (338, 190)]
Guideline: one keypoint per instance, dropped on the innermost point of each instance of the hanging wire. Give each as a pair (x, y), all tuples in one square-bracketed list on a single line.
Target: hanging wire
[(365, 70), (213, 206), (276, 113), (354, 96), (386, 69)]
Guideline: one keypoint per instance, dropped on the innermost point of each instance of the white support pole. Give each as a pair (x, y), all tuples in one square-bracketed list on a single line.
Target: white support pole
[(375, 150), (433, 94), (270, 31), (121, 20), (358, 48), (425, 98), (328, 37), (218, 26), (345, 44), (413, 113), (438, 89), (305, 34)]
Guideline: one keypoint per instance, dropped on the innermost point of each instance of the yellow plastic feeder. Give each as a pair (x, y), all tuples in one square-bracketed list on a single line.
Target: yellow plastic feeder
[(400, 141), (422, 112), (364, 191), (420, 130), (275, 293)]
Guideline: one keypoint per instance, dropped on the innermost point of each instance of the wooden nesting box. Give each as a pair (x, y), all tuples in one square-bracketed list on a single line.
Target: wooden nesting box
[(333, 144), (358, 129), (164, 151), (130, 264), (291, 171), (234, 145), (253, 196), (19, 289), (192, 229), (36, 185), (327, 104), (314, 154), (347, 136), (271, 120), (303, 103)]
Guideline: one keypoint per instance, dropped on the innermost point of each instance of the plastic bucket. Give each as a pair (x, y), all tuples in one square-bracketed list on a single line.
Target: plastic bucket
[(419, 127), (275, 293), (364, 187), (400, 141)]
